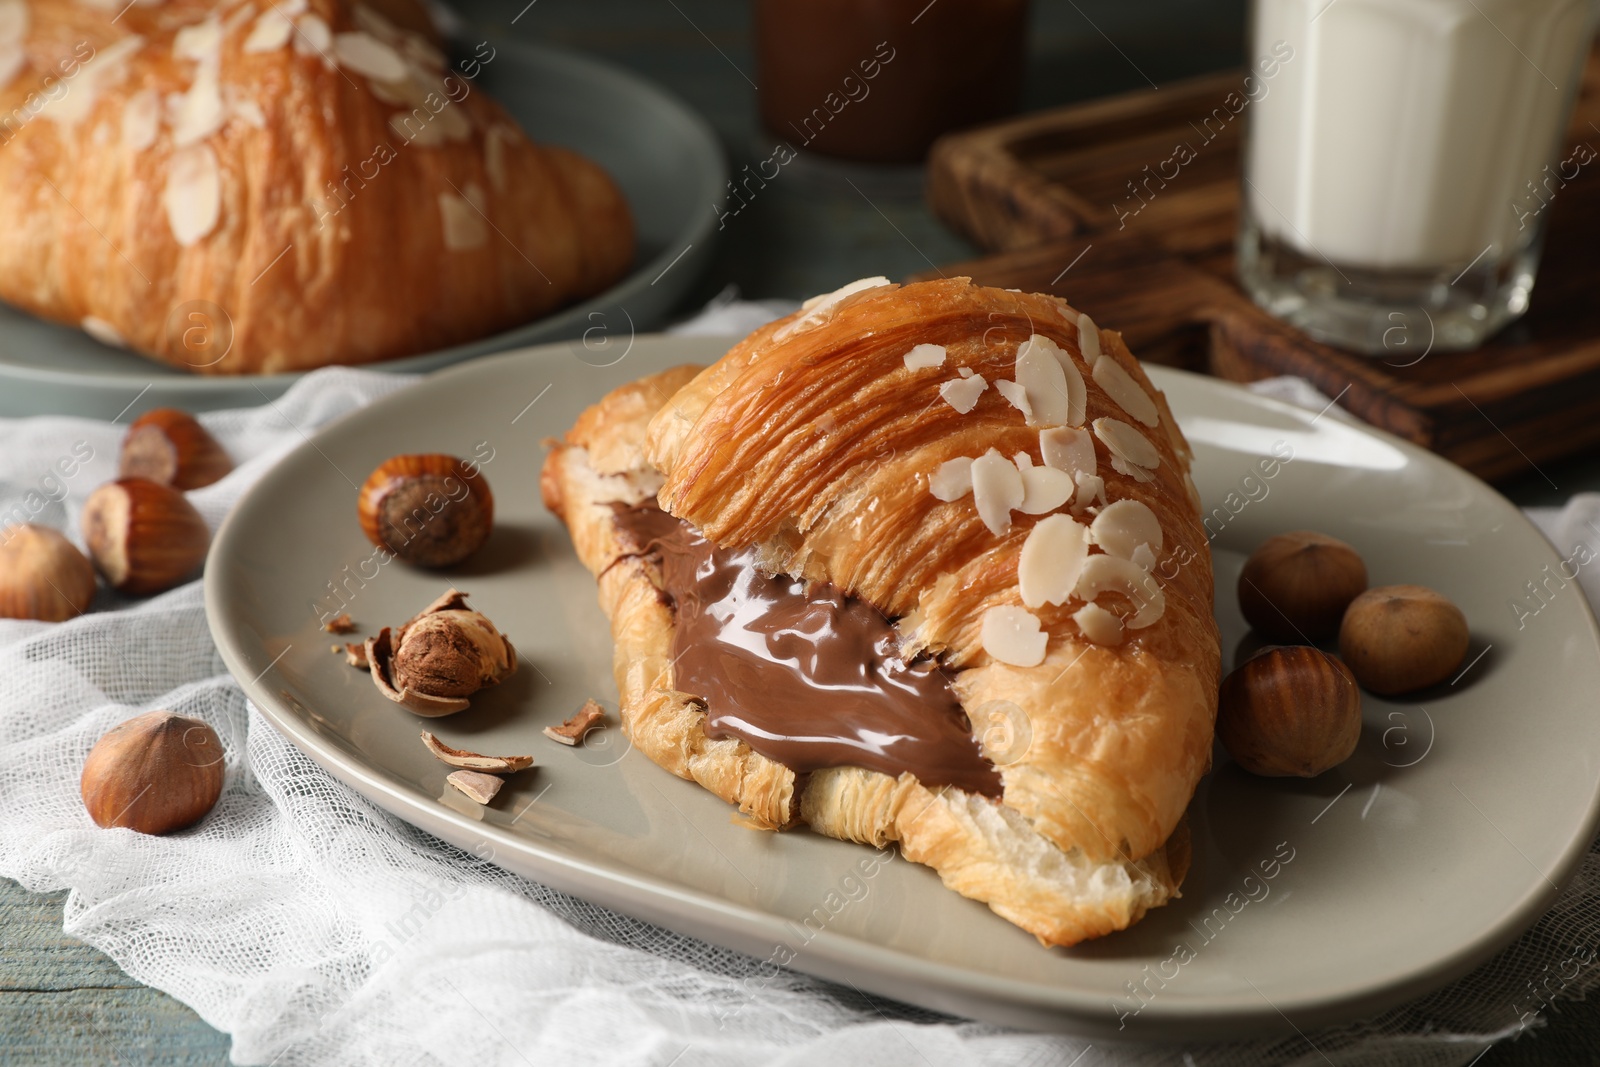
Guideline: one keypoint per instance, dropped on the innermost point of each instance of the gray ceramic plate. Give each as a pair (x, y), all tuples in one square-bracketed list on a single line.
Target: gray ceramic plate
[(665, 157), (1443, 837)]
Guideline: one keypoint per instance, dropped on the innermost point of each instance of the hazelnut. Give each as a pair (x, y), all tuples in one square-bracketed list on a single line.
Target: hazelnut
[(155, 773), (171, 447), (440, 657), (431, 510), (1296, 586), (144, 537), (42, 575), (1292, 710), (1397, 638)]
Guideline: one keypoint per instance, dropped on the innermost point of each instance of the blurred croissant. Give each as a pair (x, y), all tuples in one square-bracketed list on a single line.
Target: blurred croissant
[(241, 187), (1000, 480)]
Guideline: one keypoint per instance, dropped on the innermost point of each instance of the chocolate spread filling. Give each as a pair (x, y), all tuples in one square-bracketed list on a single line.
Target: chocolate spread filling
[(800, 672)]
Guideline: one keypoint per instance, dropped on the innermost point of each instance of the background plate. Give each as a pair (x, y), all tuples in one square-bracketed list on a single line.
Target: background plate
[(663, 155), (1444, 836)]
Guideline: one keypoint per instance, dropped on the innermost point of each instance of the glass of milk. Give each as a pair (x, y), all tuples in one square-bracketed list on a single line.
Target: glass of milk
[(1398, 177)]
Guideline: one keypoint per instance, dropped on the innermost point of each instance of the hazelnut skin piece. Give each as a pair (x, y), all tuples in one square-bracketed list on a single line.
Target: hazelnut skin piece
[(144, 537), (1296, 586), (155, 773), (1400, 638), (431, 510), (171, 447), (1290, 711), (43, 575)]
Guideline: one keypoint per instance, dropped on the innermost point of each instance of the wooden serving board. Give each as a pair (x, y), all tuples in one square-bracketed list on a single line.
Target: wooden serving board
[(1053, 194)]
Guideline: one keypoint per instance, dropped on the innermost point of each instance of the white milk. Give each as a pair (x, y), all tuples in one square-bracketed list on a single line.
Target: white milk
[(1411, 133)]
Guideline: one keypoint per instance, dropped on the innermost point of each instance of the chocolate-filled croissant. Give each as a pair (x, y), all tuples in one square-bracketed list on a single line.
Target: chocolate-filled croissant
[(234, 187), (1000, 484)]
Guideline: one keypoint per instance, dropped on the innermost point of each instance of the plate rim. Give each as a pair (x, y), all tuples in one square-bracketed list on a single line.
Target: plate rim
[(839, 957), (708, 148)]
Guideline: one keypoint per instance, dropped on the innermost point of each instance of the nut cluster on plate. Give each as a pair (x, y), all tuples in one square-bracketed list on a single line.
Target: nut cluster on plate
[(1293, 709)]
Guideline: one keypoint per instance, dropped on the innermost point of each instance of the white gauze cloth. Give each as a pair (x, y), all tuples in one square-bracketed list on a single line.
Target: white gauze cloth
[(317, 929)]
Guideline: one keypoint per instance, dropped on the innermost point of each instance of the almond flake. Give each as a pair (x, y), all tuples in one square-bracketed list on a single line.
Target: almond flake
[(105, 70), (1044, 489), (1012, 635), (141, 120), (962, 393), (464, 226), (1051, 559), (198, 41), (1022, 460), (1144, 557), (953, 479), (1098, 625), (15, 19), (575, 729), (102, 331), (193, 194), (1067, 449), (199, 112), (494, 155), (418, 50), (1132, 470), (1129, 394), (270, 33), (1124, 526), (365, 54), (1042, 373), (1088, 339), (923, 357), (376, 24), (1091, 489), (314, 37), (996, 490), (478, 786), (965, 372), (1110, 574), (13, 57), (819, 309), (250, 111), (1127, 443), (1017, 396)]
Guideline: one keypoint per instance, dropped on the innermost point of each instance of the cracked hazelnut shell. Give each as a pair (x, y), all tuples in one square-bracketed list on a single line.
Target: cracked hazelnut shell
[(43, 575), (1289, 711), (429, 509), (1295, 586), (171, 447), (1399, 638), (144, 537)]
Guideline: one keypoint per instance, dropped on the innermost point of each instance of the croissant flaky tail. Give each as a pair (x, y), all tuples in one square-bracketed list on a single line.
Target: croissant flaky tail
[(818, 439), (241, 188)]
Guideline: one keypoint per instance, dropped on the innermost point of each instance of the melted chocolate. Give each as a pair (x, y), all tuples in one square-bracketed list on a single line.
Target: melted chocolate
[(800, 672)]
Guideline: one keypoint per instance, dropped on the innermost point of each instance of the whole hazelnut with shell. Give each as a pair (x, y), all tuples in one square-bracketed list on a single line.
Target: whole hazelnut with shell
[(171, 447), (1289, 711), (155, 773), (42, 575), (145, 537), (1296, 585), (1399, 638), (430, 509)]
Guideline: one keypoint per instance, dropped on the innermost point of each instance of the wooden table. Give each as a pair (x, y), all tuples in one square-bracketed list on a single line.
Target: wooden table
[(63, 1003)]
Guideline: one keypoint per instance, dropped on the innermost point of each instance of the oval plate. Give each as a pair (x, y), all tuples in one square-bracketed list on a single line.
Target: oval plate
[(664, 156), (1488, 782)]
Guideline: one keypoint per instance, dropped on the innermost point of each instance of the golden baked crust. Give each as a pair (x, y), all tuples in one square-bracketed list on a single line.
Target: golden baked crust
[(1089, 834), (357, 219)]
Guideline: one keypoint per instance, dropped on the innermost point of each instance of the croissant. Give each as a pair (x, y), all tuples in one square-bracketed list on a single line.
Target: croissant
[(236, 187), (990, 485)]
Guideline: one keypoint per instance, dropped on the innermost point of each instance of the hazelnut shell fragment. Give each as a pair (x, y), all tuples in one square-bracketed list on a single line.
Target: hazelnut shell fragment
[(573, 730), (430, 509), (144, 537), (1289, 711), (155, 773), (42, 575), (171, 447), (339, 624), (474, 761), (1296, 586), (1400, 638), (480, 787)]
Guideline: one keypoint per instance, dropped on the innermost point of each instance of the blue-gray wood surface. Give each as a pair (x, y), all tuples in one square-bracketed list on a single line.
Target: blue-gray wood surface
[(64, 1003)]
